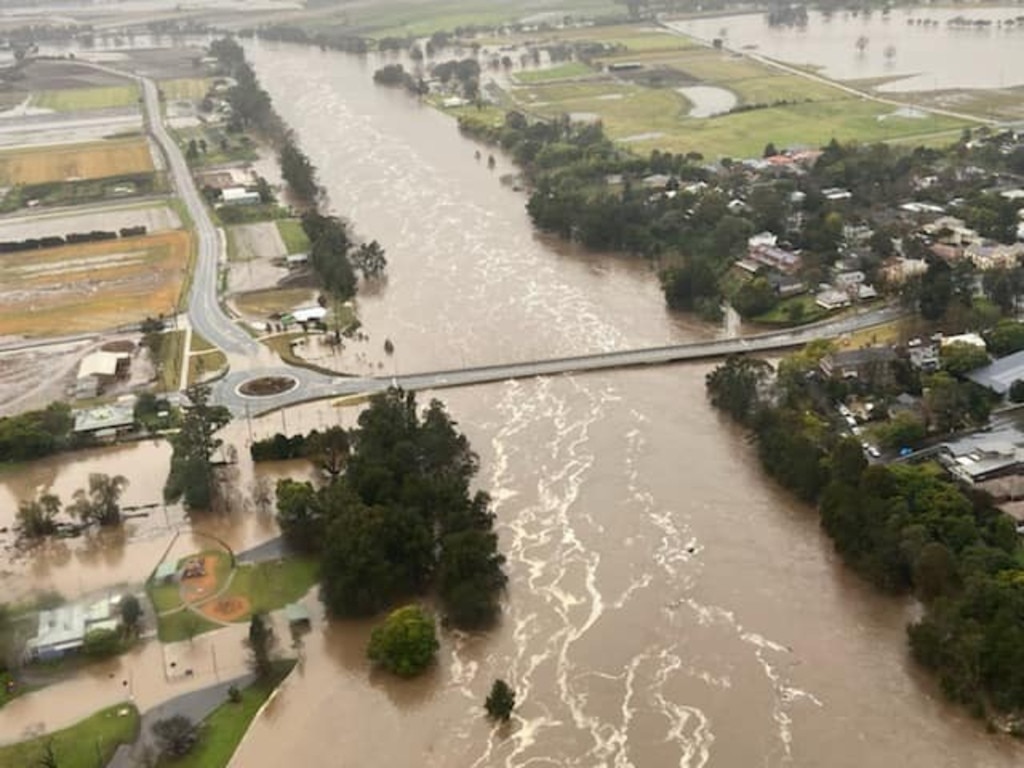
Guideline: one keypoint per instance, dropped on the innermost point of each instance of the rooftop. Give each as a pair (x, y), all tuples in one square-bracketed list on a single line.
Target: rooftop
[(104, 417), (1001, 374)]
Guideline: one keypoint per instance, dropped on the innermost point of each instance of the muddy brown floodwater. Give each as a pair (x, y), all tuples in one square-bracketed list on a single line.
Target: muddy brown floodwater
[(667, 605)]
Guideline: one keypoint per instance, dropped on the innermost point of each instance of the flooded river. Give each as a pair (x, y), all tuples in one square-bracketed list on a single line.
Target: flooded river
[(667, 605)]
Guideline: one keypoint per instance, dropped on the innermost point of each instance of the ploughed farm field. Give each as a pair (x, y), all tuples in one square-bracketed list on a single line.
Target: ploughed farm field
[(97, 160), (92, 286)]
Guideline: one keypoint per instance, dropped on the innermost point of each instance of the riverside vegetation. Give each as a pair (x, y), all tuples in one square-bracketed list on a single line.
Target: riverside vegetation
[(400, 519), (334, 254), (905, 528)]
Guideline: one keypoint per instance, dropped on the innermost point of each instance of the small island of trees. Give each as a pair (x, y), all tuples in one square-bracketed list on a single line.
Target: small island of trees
[(401, 519)]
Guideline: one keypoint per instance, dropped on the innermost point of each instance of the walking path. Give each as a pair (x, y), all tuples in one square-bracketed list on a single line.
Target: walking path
[(196, 706)]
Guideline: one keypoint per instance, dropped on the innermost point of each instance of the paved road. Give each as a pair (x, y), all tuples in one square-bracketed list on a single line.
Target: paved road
[(315, 386), (204, 311)]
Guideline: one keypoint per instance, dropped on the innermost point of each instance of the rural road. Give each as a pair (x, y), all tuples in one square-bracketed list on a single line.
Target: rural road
[(204, 311)]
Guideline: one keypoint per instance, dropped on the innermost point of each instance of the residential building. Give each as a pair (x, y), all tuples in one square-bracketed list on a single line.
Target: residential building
[(776, 258), (992, 255), (1000, 375), (832, 299), (871, 364), (105, 421), (62, 630)]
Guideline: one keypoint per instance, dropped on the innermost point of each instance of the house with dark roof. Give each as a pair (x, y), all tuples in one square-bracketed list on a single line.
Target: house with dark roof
[(872, 365)]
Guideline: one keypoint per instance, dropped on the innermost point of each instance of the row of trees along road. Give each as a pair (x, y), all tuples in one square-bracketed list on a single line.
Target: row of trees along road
[(905, 528), (401, 518), (334, 254)]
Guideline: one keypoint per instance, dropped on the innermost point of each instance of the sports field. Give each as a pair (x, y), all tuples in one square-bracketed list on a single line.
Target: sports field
[(74, 162), (642, 103), (92, 286)]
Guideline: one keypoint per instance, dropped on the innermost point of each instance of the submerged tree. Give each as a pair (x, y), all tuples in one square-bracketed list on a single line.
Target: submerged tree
[(37, 518), (101, 502), (261, 642), (500, 701)]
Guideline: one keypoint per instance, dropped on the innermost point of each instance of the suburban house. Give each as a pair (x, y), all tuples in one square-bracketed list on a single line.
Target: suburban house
[(62, 630), (870, 364), (776, 258), (992, 255), (239, 196), (899, 270), (831, 299), (293, 260), (923, 354)]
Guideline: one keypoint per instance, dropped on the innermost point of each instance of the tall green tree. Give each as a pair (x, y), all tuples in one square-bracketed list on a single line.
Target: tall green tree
[(191, 478), (261, 643), (406, 643)]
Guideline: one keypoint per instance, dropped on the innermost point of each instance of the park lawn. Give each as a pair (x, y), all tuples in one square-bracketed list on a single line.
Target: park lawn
[(293, 235), (77, 746), (274, 584), (182, 625), (273, 300), (779, 314), (92, 286), (203, 364), (185, 88), (745, 134), (96, 160), (165, 597), (560, 72), (75, 99), (221, 147), (223, 729)]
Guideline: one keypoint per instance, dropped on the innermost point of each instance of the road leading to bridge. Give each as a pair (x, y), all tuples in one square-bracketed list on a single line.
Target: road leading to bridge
[(204, 311), (315, 386)]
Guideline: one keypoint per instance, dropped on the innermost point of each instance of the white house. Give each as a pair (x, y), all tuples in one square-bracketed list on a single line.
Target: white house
[(239, 196)]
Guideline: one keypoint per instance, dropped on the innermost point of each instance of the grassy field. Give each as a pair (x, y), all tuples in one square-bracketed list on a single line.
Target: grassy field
[(185, 89), (92, 286), (183, 625), (172, 354), (223, 730), (76, 99), (792, 111), (200, 344), (273, 585), (165, 597), (814, 124), (780, 314), (221, 147), (273, 300), (86, 744), (561, 72), (204, 364), (293, 235), (37, 165)]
